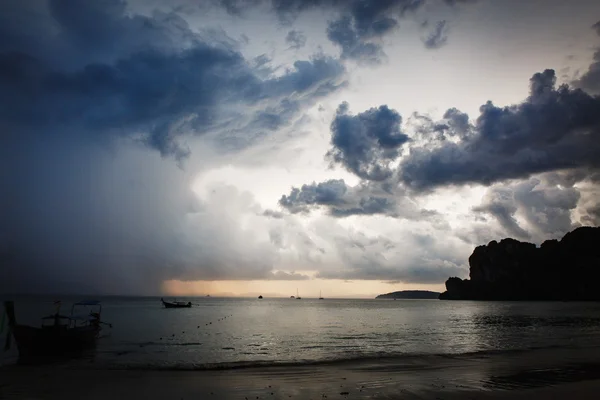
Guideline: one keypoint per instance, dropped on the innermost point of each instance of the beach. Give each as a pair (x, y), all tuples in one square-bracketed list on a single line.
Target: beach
[(334, 349), (544, 374)]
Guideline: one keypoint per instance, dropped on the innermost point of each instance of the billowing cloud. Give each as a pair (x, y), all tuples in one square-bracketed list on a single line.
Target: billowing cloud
[(543, 205), (366, 143), (500, 203), (341, 200), (371, 16), (553, 129), (344, 34), (547, 209), (438, 37), (296, 39), (359, 24), (149, 79), (590, 80), (87, 88)]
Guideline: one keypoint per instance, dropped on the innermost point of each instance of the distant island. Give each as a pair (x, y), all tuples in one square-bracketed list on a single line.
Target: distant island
[(566, 270), (410, 294)]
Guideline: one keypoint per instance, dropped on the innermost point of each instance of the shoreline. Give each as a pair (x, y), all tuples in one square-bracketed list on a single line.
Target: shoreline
[(556, 373)]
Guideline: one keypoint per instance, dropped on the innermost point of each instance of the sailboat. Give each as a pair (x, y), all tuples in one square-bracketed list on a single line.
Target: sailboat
[(298, 296), (320, 296)]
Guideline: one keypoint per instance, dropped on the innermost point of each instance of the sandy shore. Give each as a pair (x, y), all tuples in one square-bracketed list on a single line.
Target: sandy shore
[(543, 374)]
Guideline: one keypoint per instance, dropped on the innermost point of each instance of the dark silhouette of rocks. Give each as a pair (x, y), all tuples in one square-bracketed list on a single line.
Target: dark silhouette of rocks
[(410, 294), (568, 269)]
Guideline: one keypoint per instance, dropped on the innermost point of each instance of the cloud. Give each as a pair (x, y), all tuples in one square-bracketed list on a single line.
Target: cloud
[(359, 25), (343, 33), (273, 214), (457, 123), (366, 143), (438, 37), (366, 198), (288, 276), (296, 39), (420, 257), (371, 16), (330, 192), (500, 203), (148, 79), (457, 2), (553, 129), (547, 208), (97, 223), (88, 88), (590, 80), (544, 206), (238, 7), (363, 23)]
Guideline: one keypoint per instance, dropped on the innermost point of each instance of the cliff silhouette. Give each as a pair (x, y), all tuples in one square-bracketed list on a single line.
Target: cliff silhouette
[(568, 269)]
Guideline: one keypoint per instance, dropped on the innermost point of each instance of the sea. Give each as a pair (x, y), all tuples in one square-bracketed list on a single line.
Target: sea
[(224, 333)]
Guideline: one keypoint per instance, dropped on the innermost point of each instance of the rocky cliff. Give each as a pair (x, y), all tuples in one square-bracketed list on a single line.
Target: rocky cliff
[(568, 269)]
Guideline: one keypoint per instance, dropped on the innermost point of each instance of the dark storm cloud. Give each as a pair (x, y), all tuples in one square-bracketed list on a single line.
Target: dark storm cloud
[(238, 7), (341, 200), (553, 129), (360, 23), (134, 76), (295, 39), (457, 122), (342, 33), (590, 80), (366, 143), (438, 37), (325, 193), (370, 16), (82, 85)]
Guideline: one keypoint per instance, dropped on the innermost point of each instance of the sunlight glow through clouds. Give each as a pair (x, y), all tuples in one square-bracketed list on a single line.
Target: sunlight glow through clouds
[(330, 288)]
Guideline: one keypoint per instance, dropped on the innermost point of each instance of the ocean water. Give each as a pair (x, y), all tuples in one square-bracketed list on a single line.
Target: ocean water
[(231, 333)]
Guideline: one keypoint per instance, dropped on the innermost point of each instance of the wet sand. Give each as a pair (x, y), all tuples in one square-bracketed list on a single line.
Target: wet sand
[(543, 374)]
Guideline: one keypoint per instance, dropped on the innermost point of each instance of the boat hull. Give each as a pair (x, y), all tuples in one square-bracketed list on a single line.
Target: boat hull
[(39, 343), (174, 305)]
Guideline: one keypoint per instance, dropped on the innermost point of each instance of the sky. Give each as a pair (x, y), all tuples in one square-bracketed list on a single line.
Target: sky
[(237, 148)]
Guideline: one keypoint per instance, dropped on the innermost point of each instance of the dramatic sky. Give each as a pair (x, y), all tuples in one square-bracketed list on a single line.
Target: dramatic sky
[(238, 147)]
